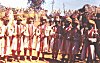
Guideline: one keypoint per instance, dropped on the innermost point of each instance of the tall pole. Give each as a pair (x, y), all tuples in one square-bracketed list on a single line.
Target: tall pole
[(52, 5), (64, 8)]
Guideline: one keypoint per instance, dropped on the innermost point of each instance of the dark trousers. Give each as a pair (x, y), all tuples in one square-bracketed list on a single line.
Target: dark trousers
[(97, 48)]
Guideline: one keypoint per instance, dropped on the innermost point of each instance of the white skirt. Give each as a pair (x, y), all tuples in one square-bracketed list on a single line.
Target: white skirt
[(34, 42), (2, 44), (38, 44), (22, 44), (8, 50), (52, 43), (14, 44), (5, 46), (26, 42), (92, 51), (45, 47)]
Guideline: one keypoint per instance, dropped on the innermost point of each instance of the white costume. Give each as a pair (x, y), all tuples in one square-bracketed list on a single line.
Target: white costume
[(38, 32), (17, 43), (1, 41), (29, 31), (6, 41)]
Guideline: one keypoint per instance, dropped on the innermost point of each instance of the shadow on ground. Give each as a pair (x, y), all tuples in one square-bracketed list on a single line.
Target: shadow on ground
[(47, 60)]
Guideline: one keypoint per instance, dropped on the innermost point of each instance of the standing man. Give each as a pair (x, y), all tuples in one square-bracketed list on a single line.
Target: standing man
[(1, 39), (28, 38), (47, 34), (76, 40), (60, 31), (57, 40), (67, 39), (6, 39), (40, 41), (16, 44), (30, 31), (18, 38)]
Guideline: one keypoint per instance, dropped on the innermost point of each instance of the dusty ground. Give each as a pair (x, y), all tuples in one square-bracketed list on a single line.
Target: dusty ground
[(48, 59)]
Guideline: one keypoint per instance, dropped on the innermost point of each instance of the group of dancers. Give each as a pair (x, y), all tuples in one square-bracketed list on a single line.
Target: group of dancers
[(66, 35)]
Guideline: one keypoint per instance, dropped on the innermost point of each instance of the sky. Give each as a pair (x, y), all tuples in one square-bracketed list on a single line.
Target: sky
[(69, 4), (58, 4), (14, 3)]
